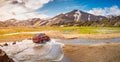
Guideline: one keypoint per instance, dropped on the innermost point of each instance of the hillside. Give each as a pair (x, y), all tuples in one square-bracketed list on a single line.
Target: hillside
[(15, 22)]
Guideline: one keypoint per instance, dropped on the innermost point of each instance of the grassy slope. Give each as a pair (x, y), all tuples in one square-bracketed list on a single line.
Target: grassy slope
[(80, 30)]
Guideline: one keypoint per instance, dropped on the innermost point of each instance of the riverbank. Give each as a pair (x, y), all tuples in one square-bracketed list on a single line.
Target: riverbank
[(106, 52), (88, 36)]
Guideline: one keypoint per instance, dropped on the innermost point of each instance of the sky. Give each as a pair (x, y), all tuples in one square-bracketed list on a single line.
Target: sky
[(25, 9), (102, 7)]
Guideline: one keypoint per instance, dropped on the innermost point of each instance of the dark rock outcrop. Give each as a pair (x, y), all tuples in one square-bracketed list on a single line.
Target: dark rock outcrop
[(4, 57), (5, 44)]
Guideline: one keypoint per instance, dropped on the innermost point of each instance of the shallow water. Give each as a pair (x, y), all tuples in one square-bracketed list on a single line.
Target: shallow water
[(88, 41), (27, 51)]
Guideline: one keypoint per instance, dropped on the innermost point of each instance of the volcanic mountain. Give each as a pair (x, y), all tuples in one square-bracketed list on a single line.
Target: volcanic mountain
[(73, 17)]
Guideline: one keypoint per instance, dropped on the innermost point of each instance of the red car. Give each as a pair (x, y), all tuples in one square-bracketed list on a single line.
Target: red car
[(40, 38)]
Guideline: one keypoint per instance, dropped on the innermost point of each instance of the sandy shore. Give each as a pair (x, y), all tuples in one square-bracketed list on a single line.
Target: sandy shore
[(107, 52)]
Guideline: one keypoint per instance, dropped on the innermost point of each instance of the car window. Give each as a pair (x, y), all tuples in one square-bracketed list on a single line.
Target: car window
[(40, 35)]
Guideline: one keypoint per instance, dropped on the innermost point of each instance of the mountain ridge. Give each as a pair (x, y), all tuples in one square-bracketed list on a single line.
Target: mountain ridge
[(72, 18)]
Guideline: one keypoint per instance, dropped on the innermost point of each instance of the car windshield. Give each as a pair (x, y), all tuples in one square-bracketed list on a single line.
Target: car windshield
[(39, 35)]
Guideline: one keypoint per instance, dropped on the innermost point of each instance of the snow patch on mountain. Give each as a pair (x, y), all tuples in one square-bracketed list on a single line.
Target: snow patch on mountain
[(77, 15)]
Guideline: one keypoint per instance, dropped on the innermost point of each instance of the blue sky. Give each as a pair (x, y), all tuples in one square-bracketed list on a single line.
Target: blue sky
[(49, 8), (61, 6)]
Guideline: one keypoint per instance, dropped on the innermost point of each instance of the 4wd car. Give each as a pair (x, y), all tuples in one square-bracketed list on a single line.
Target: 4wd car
[(40, 38)]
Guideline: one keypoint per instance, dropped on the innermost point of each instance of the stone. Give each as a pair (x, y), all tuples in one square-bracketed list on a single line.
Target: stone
[(4, 57), (5, 44)]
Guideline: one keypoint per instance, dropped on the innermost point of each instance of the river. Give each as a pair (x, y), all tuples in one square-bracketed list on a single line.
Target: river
[(88, 41), (27, 51)]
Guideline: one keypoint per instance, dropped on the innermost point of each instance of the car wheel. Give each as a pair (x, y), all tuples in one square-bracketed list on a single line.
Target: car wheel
[(41, 41), (44, 41), (35, 41), (48, 40)]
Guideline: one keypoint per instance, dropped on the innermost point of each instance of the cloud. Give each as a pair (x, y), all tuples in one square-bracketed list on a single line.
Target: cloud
[(114, 10), (21, 9)]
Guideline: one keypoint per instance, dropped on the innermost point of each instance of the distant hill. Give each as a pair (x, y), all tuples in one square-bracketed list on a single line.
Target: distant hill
[(113, 21), (14, 22)]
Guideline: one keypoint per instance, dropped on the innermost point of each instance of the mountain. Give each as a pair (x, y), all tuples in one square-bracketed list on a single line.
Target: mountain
[(29, 22), (112, 21), (2, 24), (14, 22), (73, 17), (34, 22), (10, 22)]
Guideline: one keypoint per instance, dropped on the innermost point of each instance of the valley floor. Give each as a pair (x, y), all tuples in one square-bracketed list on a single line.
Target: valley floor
[(20, 33), (57, 35)]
